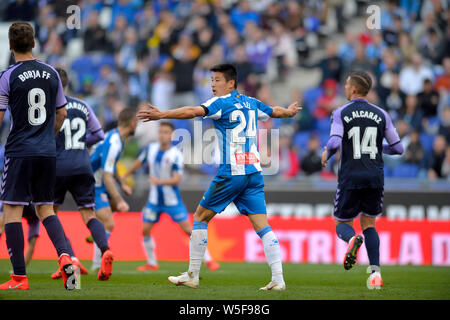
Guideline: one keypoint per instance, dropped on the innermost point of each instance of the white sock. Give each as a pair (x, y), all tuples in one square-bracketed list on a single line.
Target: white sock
[(197, 248), (273, 254), (97, 260), (149, 246)]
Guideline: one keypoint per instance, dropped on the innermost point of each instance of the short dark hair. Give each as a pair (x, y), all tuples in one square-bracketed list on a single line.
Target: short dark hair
[(21, 37), (167, 124), (362, 81), (126, 116), (228, 70), (63, 76)]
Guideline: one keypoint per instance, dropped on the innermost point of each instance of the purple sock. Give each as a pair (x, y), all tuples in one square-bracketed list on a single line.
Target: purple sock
[(372, 242), (98, 233), (69, 247), (15, 244), (345, 232), (56, 234)]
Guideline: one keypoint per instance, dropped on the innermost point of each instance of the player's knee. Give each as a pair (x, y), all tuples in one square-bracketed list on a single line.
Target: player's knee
[(203, 214), (87, 214)]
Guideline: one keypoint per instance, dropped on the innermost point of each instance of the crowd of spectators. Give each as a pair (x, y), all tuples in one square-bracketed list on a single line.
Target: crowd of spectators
[(127, 52)]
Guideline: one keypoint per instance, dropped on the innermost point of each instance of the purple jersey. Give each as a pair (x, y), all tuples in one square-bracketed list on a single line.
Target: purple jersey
[(362, 127), (32, 91), (71, 146)]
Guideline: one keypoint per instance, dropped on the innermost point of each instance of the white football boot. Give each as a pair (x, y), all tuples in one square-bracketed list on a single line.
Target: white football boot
[(185, 279), (274, 285)]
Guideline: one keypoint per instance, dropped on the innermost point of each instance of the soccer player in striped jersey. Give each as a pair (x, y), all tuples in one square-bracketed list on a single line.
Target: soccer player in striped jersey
[(239, 177), (103, 159), (166, 169), (358, 129)]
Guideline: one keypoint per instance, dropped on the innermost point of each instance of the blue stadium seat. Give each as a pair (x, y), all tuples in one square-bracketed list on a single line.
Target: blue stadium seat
[(427, 141), (387, 171), (311, 96), (300, 139), (324, 137), (405, 170), (323, 125)]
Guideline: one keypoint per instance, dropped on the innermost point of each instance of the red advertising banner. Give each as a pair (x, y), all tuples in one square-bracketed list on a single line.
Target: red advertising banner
[(302, 240)]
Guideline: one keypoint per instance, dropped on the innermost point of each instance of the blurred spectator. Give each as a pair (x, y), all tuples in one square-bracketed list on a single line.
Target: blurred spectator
[(242, 14), (94, 36), (162, 90), (332, 65), (406, 47), (301, 44), (243, 66), (443, 81), (391, 34), (428, 100), (185, 55), (289, 164), (283, 50), (444, 126), (437, 157), (374, 50), (230, 41), (411, 113), (420, 29), (329, 100), (395, 98), (413, 75), (116, 36), (126, 9), (259, 51), (126, 57), (146, 21), (311, 162), (347, 49), (202, 79), (21, 10), (360, 61), (445, 171), (432, 47), (414, 153)]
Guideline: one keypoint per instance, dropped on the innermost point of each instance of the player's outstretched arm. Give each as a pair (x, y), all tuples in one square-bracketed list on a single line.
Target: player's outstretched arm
[(153, 113), (289, 112)]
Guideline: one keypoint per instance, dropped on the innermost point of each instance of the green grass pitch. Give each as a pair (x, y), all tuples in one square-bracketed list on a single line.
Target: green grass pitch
[(235, 281)]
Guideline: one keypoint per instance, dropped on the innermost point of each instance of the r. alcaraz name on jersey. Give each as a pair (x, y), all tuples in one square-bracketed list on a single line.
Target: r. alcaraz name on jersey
[(235, 120), (105, 156), (32, 91), (72, 156), (362, 127), (162, 164)]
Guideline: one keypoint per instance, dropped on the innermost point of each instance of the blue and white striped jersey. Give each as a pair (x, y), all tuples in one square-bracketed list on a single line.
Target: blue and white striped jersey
[(105, 156), (162, 164), (235, 120)]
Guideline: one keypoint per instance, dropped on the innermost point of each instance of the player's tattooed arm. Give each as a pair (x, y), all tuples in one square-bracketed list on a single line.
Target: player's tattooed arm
[(289, 112), (153, 113)]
